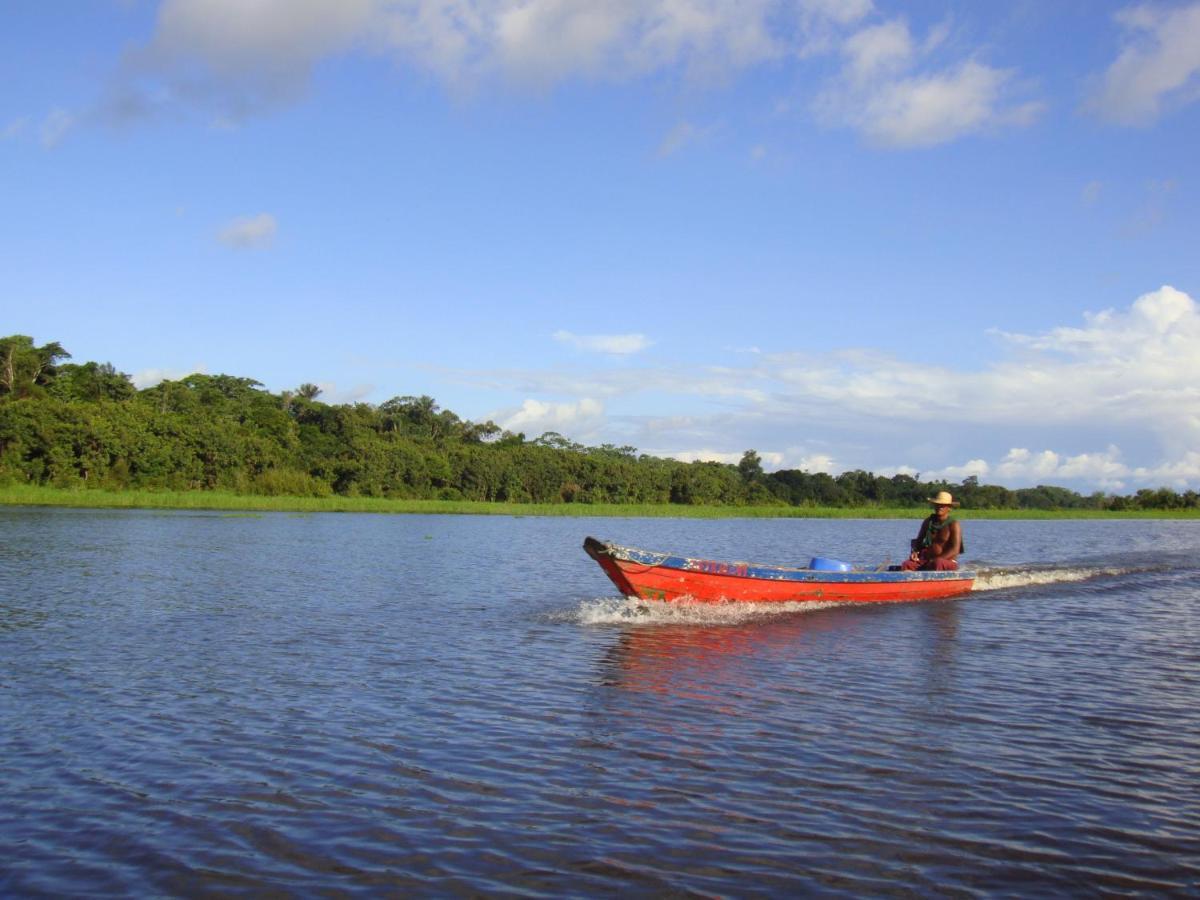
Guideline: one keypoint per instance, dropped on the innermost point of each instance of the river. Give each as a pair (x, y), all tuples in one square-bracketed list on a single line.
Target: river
[(206, 704)]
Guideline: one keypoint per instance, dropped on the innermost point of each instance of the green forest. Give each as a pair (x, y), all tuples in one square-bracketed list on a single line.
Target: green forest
[(85, 425)]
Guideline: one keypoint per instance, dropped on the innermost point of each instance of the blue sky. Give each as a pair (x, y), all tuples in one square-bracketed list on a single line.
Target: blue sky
[(942, 238)]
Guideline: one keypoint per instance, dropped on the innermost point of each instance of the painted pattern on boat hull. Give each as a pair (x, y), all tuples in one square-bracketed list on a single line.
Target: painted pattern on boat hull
[(661, 576)]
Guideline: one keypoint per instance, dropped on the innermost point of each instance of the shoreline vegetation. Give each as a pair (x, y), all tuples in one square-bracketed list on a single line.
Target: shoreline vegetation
[(217, 501), (85, 435)]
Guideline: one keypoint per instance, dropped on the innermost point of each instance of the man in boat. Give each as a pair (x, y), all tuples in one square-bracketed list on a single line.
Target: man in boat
[(939, 541)]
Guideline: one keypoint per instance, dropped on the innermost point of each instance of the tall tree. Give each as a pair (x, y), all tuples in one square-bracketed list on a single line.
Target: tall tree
[(91, 382), (751, 466), (24, 368)]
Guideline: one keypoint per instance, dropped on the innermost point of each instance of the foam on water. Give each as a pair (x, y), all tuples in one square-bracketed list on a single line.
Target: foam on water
[(634, 611), (996, 579)]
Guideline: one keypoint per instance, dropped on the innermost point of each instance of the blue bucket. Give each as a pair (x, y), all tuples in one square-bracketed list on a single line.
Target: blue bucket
[(821, 564)]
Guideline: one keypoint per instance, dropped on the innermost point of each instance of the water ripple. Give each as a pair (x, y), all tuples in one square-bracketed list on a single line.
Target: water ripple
[(202, 706)]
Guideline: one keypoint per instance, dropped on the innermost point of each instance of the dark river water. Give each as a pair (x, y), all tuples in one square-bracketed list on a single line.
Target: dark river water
[(197, 704)]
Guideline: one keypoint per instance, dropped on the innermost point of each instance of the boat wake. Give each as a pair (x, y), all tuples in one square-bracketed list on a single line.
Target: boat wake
[(999, 578), (633, 611)]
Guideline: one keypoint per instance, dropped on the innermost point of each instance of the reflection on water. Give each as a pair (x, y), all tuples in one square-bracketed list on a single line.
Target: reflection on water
[(205, 705), (709, 661), (685, 659)]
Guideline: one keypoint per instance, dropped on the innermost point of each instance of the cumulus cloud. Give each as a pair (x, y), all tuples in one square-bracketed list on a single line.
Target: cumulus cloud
[(250, 232), (1158, 66), (1179, 472), (1127, 376), (878, 51), (1102, 469), (240, 58), (975, 468), (150, 377), (1139, 367), (616, 344), (891, 92), (1024, 466), (705, 455), (1136, 370), (770, 460), (538, 417), (243, 57), (235, 57), (543, 42), (331, 393)]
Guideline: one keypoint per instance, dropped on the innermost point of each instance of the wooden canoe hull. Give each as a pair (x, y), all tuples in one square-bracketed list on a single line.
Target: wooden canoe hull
[(660, 576)]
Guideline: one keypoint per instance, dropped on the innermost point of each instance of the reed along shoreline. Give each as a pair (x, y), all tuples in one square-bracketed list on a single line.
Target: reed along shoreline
[(39, 496)]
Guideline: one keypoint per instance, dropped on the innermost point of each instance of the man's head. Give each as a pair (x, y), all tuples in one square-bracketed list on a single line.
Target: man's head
[(942, 502)]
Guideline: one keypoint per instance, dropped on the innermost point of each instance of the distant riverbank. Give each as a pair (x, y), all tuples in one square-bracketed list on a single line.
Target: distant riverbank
[(25, 495)]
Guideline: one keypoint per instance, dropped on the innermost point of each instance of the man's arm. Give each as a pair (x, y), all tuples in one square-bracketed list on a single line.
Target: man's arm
[(915, 543)]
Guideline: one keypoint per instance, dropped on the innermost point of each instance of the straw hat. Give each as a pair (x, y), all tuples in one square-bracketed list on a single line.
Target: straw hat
[(943, 498)]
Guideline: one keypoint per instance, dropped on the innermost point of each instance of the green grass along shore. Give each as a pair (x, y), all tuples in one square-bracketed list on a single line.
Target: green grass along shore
[(28, 495)]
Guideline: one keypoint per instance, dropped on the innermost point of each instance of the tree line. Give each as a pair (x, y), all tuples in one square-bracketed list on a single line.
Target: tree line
[(86, 425)]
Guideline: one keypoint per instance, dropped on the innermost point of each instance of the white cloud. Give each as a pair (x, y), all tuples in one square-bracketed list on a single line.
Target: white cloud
[(1162, 321), (238, 58), (543, 42), (770, 460), (616, 344), (1103, 469), (841, 12), (812, 463), (331, 393), (679, 137), (14, 129), (238, 37), (1136, 368), (975, 468), (933, 109), (250, 232), (55, 127), (1127, 377), (878, 51), (1180, 472), (705, 455), (150, 377), (883, 93), (535, 417), (1158, 66), (1020, 467)]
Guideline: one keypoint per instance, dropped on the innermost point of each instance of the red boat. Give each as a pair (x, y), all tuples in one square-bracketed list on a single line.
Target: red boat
[(661, 576)]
